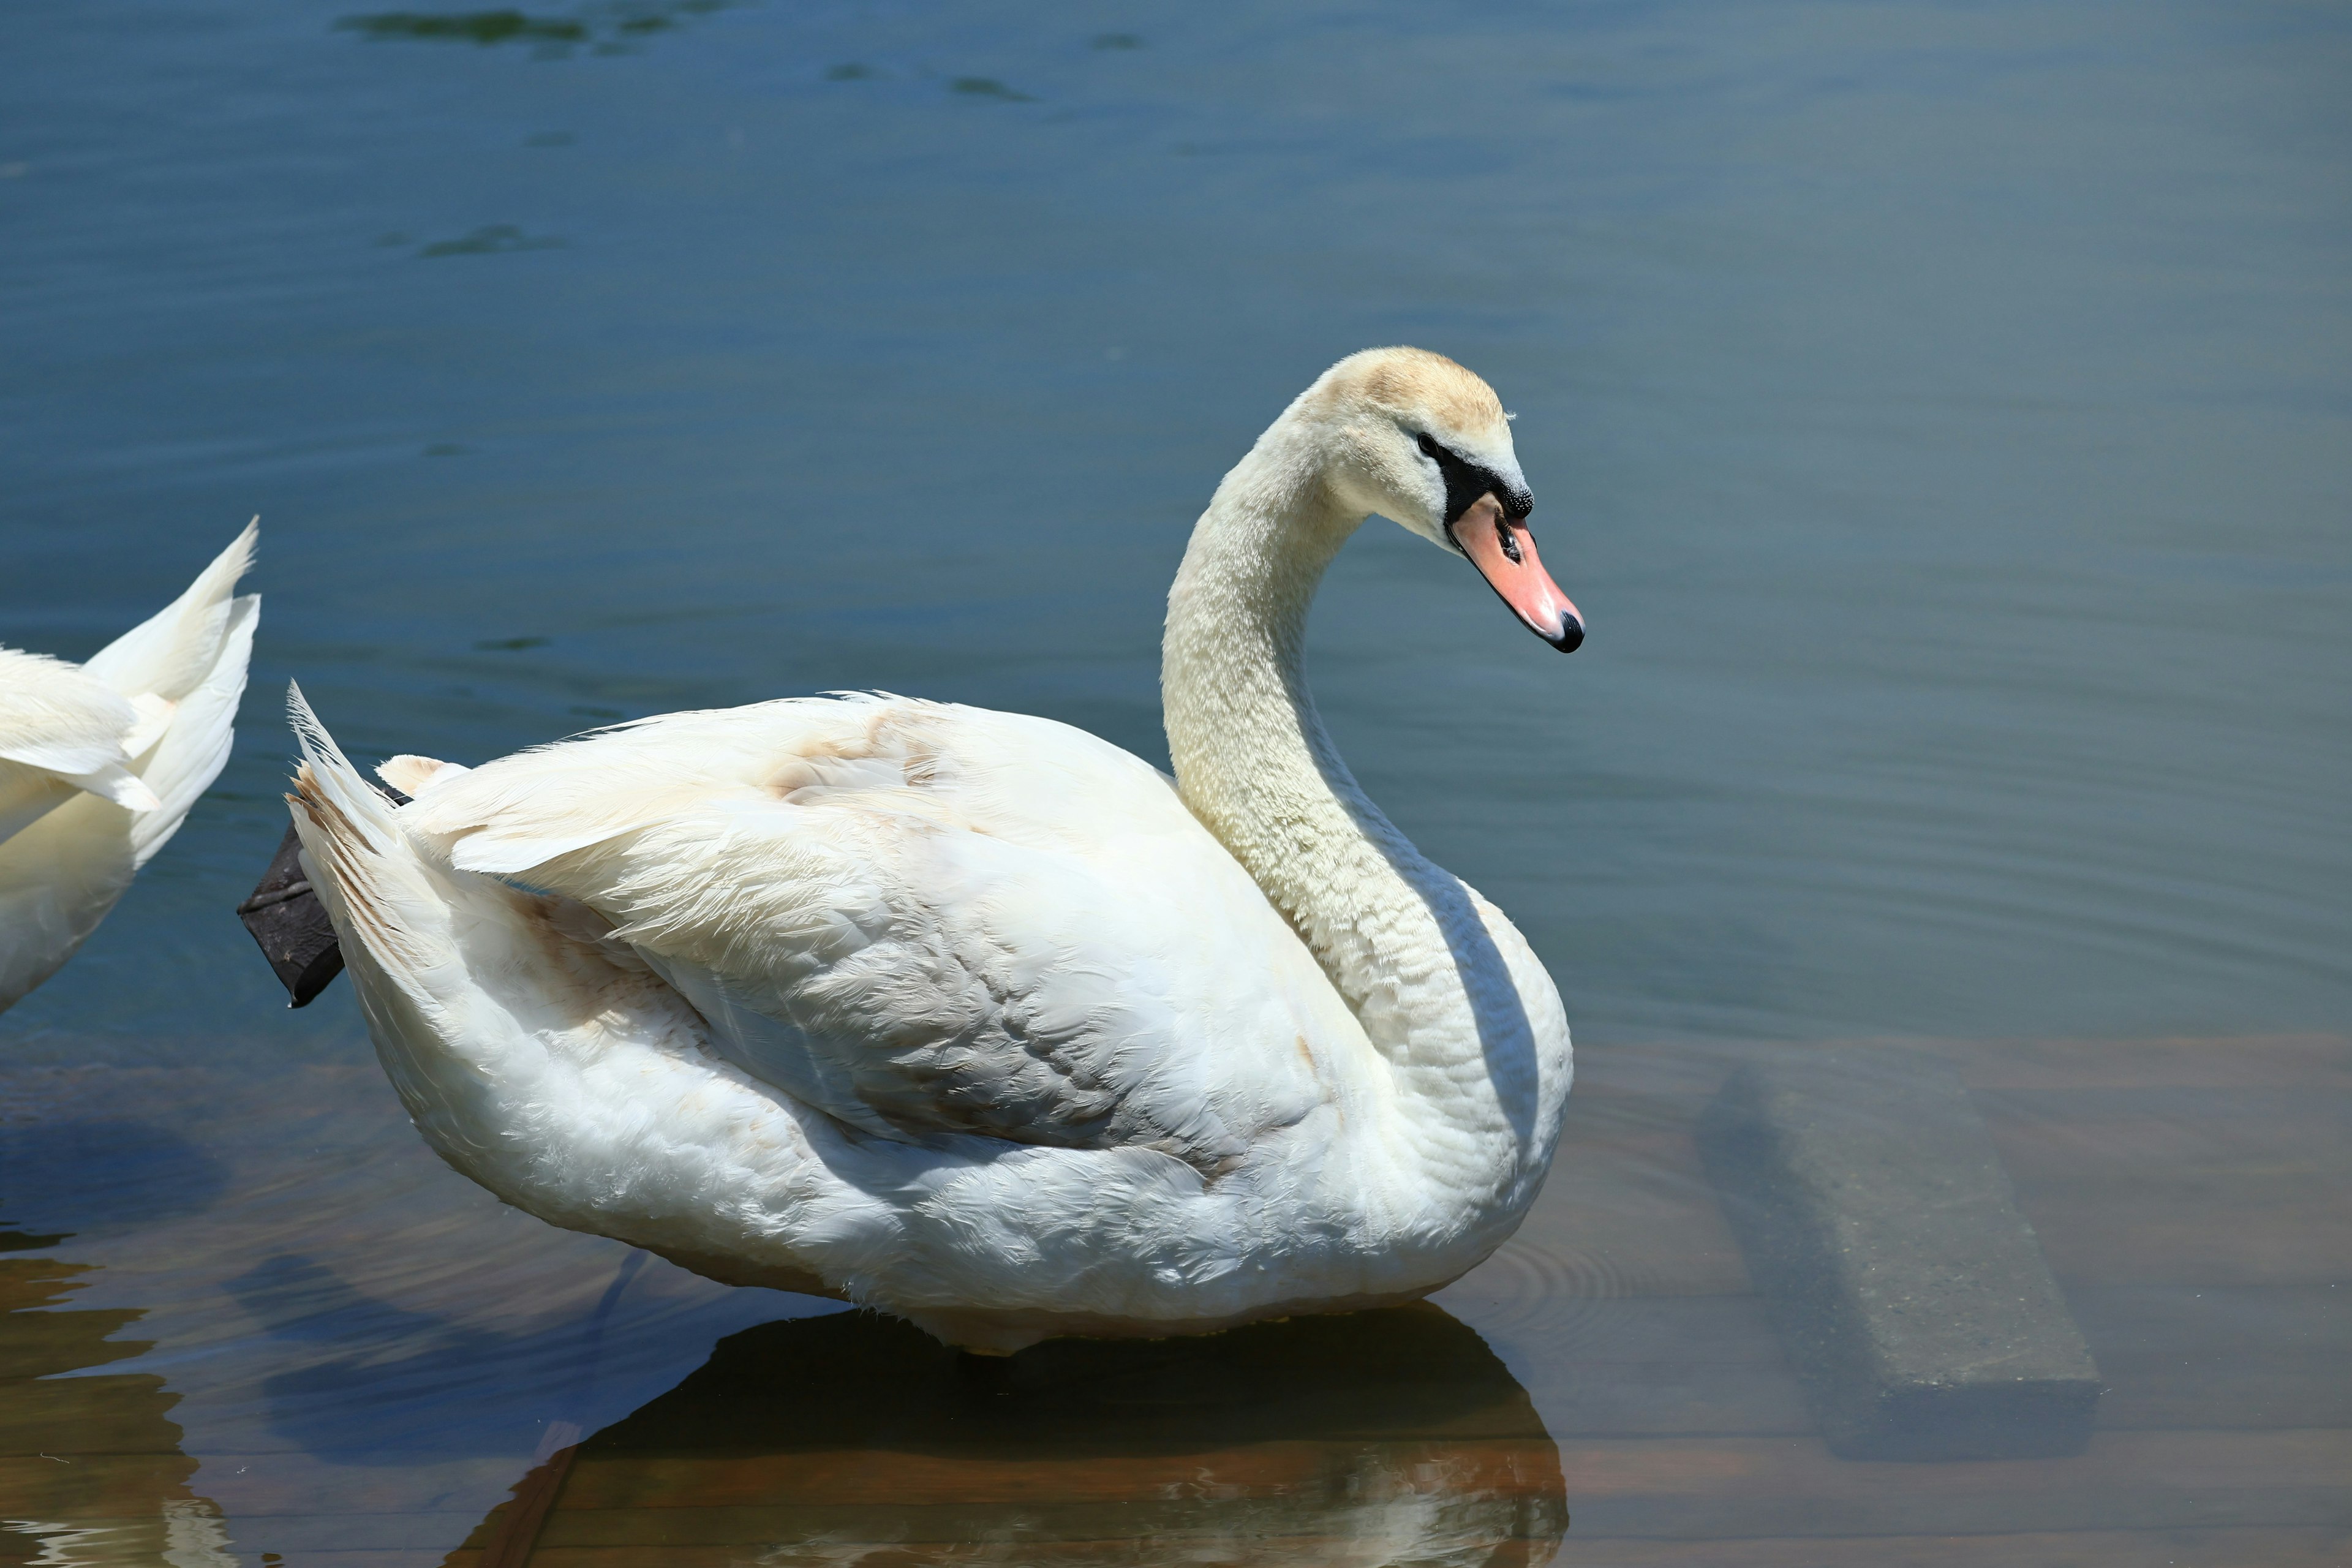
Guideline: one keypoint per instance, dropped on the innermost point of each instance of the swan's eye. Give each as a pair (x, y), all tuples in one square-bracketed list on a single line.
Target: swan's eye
[(1509, 539), (1465, 482)]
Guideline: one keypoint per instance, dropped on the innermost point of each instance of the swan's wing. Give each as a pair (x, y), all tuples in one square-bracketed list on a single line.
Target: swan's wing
[(927, 919), (62, 730), (63, 861), (178, 649), (54, 715), (193, 747), (152, 710), (184, 667)]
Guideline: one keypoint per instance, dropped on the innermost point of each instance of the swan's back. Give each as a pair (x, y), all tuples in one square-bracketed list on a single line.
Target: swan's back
[(930, 921)]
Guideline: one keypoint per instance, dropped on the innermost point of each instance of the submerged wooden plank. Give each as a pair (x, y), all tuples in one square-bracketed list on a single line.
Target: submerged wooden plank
[(2320, 1547), (2322, 1061), (2190, 1357), (2228, 1062), (1626, 1211), (2172, 1357), (1735, 1488), (2225, 1547), (302, 1537), (867, 1478), (1287, 1551), (2183, 1186), (1644, 1399), (90, 1485), (108, 1413)]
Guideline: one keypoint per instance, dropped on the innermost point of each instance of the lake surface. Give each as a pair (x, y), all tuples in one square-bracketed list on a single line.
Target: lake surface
[(1942, 413)]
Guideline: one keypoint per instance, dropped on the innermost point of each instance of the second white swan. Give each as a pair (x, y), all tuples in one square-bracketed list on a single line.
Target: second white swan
[(973, 1017), (101, 762)]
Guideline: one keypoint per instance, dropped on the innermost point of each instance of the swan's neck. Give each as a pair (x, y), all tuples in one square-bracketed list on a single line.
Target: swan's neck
[(1400, 938)]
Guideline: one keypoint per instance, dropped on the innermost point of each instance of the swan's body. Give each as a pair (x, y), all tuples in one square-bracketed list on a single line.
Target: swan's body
[(971, 1016), (101, 762)]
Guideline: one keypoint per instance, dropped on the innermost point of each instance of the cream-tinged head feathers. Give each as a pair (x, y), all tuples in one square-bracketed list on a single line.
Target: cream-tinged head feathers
[(1413, 436)]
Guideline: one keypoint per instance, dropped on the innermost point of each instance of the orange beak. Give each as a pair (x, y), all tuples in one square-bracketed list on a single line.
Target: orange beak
[(1505, 553)]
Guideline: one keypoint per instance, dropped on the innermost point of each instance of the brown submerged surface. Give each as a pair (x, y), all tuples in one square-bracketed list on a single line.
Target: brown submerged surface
[(355, 1350)]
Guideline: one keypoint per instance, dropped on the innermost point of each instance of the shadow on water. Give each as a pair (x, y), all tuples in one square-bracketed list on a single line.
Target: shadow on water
[(390, 1391), (91, 1175), (1380, 1438)]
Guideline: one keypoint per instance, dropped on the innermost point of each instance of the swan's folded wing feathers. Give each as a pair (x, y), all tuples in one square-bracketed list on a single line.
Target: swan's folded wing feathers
[(56, 716), (179, 647), (923, 919), (62, 730)]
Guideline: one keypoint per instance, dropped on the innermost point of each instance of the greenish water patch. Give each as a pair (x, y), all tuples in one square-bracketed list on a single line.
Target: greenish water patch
[(507, 645), (606, 26), (987, 86), (466, 26), (494, 239), (851, 71), (1117, 41)]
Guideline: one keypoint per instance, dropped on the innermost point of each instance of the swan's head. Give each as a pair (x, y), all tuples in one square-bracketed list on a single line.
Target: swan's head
[(1414, 437)]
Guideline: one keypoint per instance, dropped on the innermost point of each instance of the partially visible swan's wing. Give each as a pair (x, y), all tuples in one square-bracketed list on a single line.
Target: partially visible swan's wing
[(925, 918), (175, 650), (144, 726), (185, 667), (61, 729)]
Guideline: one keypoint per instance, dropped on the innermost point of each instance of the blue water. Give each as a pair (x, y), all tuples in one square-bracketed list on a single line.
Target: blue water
[(1942, 412)]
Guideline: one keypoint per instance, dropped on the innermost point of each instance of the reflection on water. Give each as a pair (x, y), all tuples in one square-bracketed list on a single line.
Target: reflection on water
[(91, 1475), (1394, 1437), (348, 1334)]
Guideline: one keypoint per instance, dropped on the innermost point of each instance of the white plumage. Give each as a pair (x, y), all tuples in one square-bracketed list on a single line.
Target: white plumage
[(100, 763), (972, 1017)]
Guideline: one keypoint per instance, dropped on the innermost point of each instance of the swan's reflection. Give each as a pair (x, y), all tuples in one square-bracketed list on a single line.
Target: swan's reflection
[(1394, 1437), (96, 1478)]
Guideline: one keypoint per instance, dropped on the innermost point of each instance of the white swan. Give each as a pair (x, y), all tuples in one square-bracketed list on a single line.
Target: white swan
[(973, 1017), (101, 762)]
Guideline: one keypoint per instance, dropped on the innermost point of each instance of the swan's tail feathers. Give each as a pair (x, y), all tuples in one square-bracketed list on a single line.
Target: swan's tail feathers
[(529, 1059), (361, 864), (184, 671), (394, 922), (173, 651), (456, 970)]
